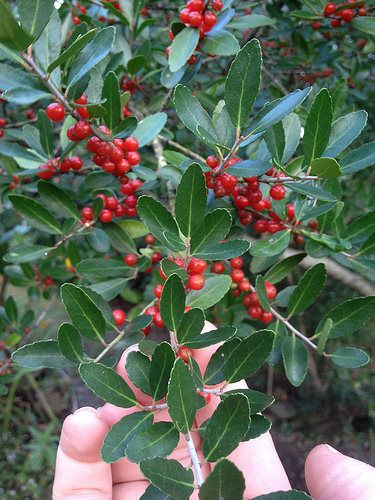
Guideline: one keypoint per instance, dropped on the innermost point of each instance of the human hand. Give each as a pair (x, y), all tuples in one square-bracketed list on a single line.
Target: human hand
[(80, 472)]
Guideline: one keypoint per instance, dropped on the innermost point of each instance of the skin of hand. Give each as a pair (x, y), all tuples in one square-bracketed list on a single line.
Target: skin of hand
[(81, 474)]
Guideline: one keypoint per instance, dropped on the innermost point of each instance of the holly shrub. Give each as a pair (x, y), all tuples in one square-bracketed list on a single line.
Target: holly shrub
[(163, 163)]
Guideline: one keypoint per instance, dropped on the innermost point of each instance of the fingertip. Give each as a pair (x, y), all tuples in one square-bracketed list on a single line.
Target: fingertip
[(82, 435)]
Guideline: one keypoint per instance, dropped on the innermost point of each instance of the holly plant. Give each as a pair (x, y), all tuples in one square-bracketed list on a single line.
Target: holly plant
[(157, 173)]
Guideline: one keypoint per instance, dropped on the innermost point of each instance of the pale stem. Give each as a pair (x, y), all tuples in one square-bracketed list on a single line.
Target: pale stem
[(194, 459)]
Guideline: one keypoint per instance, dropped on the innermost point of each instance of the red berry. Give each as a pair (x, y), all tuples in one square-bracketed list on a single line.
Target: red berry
[(131, 259), (218, 268), (197, 5), (158, 290), (290, 211), (212, 161), (106, 216), (111, 203), (82, 129), (266, 317), (133, 157), (119, 317), (122, 167), (217, 5), (150, 239), (131, 144), (255, 312), (246, 300), (196, 282), (244, 285), (185, 354), (329, 9), (209, 19), (241, 202), (277, 192), (87, 213), (237, 275), (131, 200), (155, 257), (93, 144), (184, 16), (347, 15), (76, 163), (254, 299), (3, 122), (120, 210), (236, 263), (362, 12), (55, 112), (197, 266), (158, 320), (81, 100), (195, 18), (335, 23), (270, 290), (261, 226)]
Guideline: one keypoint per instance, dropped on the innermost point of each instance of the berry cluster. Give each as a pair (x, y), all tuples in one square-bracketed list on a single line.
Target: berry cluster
[(311, 77), (3, 122), (338, 15), (200, 14)]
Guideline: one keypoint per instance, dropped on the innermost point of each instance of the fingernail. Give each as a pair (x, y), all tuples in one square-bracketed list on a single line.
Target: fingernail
[(331, 450), (87, 409)]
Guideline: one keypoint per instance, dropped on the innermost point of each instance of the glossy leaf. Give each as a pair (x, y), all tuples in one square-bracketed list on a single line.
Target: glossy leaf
[(81, 41), (21, 255), (216, 286), (119, 238), (157, 440), (260, 287), (121, 433), (285, 495), (344, 131), (210, 338), (328, 168), (318, 126), (169, 476), (70, 343), (112, 104), (172, 302), (226, 250), (41, 354), (148, 128), (138, 369), (223, 44), (161, 365), (107, 384), (258, 401), (56, 199), (11, 34), (281, 269), (181, 398), (259, 425), (215, 371), (85, 315), (242, 82), (183, 46), (36, 214), (350, 357), (191, 325), (225, 482), (100, 268), (295, 359), (274, 245), (308, 289), (359, 158), (211, 230), (226, 428)]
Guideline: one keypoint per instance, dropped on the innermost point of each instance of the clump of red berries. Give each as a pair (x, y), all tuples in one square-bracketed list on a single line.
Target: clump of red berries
[(119, 316), (338, 15), (200, 14)]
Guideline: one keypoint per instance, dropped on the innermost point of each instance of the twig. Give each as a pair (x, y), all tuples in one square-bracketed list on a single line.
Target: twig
[(182, 149), (110, 345), (194, 459)]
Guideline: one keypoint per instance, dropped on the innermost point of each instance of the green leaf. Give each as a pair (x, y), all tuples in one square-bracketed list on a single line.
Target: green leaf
[(191, 113), (242, 82), (260, 287), (107, 384), (172, 302), (258, 401), (259, 425), (169, 267), (359, 158), (112, 105), (41, 354), (191, 200), (111, 288), (275, 140), (70, 343), (226, 250), (274, 245), (121, 433), (210, 338), (365, 24), (183, 46), (368, 247), (222, 44), (350, 315), (285, 495), (248, 168), (138, 369), (328, 168), (86, 317), (119, 238), (11, 34), (161, 365), (216, 286), (323, 334), (211, 230), (153, 493), (159, 222), (226, 428), (225, 482), (46, 133), (76, 46), (182, 397), (318, 126), (99, 269), (56, 199), (275, 111), (344, 131), (169, 476), (94, 52), (310, 191), (11, 309), (251, 21), (191, 325), (26, 254), (361, 227), (158, 440), (308, 289), (148, 128), (34, 15), (215, 371), (350, 357), (292, 132), (295, 359), (35, 213), (281, 269), (249, 355)]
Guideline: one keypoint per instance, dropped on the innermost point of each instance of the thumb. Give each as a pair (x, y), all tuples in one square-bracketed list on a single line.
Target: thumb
[(330, 474), (80, 472)]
